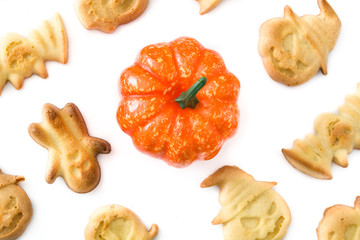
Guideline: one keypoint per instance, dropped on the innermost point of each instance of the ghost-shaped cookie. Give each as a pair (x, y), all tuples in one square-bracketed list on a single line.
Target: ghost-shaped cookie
[(15, 207), (340, 222), (72, 152), (294, 48), (251, 210), (117, 223)]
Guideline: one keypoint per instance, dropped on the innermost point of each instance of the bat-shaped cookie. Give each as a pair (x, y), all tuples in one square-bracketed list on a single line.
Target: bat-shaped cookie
[(21, 57)]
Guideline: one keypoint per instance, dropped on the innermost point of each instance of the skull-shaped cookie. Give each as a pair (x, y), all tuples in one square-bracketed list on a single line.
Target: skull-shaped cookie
[(117, 223), (294, 48), (340, 222), (72, 152), (251, 209), (15, 207)]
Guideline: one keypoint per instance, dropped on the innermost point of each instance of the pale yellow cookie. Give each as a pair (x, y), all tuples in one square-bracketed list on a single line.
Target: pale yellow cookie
[(336, 135), (115, 222), (340, 222), (251, 210), (207, 5), (294, 48), (15, 207), (72, 152), (107, 15), (21, 57)]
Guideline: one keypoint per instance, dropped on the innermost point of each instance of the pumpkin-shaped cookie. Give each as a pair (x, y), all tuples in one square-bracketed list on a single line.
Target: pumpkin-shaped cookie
[(179, 102), (15, 207), (340, 222), (294, 48), (115, 222), (107, 15), (251, 209)]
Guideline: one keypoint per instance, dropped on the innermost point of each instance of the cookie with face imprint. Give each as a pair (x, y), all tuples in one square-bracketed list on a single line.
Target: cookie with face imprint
[(340, 222), (336, 135), (22, 57), (72, 152), (106, 16), (251, 210), (15, 207), (294, 48), (207, 5), (118, 223)]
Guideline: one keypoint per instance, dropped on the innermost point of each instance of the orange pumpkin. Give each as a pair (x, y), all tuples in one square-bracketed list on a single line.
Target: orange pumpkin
[(178, 102)]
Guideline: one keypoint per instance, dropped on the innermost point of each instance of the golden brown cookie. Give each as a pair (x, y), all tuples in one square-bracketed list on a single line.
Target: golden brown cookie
[(72, 152), (117, 223), (207, 5), (21, 57), (340, 222), (294, 48), (15, 207), (336, 135), (251, 210), (107, 15)]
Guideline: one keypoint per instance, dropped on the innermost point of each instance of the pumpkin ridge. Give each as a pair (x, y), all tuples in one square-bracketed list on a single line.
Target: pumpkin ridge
[(196, 64)]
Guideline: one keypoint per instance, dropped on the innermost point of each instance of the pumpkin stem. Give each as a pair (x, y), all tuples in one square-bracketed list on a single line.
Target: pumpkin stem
[(188, 98)]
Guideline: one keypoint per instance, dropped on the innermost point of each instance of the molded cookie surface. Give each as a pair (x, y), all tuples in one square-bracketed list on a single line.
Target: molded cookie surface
[(294, 48), (72, 152), (117, 223), (251, 210), (336, 135), (15, 207), (21, 57), (340, 222), (107, 15)]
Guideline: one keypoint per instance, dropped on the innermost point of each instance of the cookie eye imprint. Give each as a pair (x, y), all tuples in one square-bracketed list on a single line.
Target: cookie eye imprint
[(116, 222), (340, 222), (294, 48), (336, 135), (22, 57), (107, 15), (251, 210), (72, 152), (15, 207)]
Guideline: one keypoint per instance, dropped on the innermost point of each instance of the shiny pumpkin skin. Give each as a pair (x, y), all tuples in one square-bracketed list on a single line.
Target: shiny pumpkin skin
[(158, 126)]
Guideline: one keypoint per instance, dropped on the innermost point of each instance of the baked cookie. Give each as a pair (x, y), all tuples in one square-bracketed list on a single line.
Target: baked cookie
[(107, 15), (15, 207), (118, 223), (72, 152), (207, 5), (250, 209), (340, 222), (21, 57), (294, 48), (336, 135)]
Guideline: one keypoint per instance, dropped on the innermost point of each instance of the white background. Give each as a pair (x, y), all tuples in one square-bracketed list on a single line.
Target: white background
[(272, 116)]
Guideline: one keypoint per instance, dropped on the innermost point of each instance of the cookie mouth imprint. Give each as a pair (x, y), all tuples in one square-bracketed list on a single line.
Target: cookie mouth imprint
[(294, 48)]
